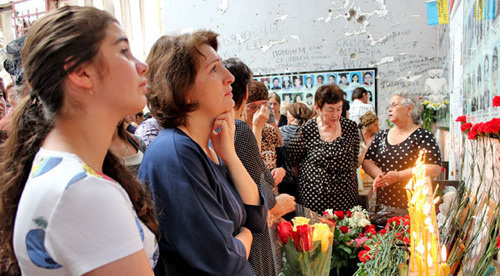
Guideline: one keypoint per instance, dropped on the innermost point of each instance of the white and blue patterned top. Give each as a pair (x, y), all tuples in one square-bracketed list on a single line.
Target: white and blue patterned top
[(72, 220)]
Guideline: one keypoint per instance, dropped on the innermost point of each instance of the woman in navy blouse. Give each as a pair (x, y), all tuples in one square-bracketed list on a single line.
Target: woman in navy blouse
[(207, 203)]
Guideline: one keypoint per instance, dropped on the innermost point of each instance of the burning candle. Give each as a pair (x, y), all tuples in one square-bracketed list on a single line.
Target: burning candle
[(444, 268)]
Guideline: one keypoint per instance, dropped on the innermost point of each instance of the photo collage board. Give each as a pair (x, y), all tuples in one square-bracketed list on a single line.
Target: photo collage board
[(480, 53), (302, 86)]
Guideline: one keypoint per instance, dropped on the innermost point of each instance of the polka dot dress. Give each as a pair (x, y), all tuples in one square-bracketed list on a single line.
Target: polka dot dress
[(265, 254), (327, 170), (400, 157)]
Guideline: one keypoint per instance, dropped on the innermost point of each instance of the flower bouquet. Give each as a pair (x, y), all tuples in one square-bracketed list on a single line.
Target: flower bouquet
[(306, 248), (433, 112), (352, 229), (386, 252)]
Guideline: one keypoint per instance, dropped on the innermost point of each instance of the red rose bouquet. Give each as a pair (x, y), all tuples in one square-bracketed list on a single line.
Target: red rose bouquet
[(306, 247)]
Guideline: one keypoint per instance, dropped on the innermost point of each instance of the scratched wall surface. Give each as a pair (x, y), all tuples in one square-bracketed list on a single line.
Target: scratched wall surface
[(295, 35)]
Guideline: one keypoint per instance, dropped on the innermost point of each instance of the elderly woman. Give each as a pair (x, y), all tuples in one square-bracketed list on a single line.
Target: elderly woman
[(326, 150), (207, 202), (393, 152)]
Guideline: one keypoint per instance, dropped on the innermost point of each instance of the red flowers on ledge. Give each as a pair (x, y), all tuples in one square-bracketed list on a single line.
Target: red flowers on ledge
[(489, 129)]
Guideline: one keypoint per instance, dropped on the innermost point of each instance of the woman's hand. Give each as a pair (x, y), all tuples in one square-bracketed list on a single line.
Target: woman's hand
[(278, 175), (285, 204), (222, 136), (385, 179), (246, 237), (390, 177), (260, 117)]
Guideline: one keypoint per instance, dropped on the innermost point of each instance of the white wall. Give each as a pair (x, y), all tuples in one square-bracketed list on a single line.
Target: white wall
[(293, 35)]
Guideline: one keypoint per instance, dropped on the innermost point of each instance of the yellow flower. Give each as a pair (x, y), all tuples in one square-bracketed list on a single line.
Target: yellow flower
[(426, 102), (322, 233), (299, 221)]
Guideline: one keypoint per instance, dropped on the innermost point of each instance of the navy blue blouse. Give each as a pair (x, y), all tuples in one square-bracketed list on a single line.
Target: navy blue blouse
[(199, 209)]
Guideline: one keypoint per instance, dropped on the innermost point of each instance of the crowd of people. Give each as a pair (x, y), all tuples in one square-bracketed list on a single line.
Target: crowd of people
[(91, 185)]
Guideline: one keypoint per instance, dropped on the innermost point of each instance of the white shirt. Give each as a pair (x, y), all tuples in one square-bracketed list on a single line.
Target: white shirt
[(358, 109), (71, 220)]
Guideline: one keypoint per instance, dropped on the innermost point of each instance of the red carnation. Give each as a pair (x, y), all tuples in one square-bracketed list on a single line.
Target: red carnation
[(496, 101), (339, 214), (383, 231), (344, 229), (371, 229), (492, 126), (466, 126), (348, 214), (498, 241), (472, 134), (364, 256), (461, 119)]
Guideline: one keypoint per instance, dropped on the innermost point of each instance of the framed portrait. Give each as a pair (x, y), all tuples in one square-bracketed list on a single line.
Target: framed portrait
[(302, 86)]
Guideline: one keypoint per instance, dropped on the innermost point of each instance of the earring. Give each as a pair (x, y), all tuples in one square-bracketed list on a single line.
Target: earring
[(91, 92), (408, 114)]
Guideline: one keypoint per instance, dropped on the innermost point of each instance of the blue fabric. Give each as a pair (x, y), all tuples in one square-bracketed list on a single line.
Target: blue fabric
[(198, 208)]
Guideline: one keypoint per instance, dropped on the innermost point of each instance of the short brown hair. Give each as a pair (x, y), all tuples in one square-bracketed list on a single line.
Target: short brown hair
[(173, 65), (258, 92), (299, 111), (328, 94)]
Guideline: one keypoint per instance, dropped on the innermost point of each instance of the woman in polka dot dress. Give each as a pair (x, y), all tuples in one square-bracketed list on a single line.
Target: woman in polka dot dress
[(393, 152), (325, 149)]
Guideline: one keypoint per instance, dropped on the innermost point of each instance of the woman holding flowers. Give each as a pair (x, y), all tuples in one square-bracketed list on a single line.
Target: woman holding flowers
[(69, 207), (326, 149), (393, 152), (207, 202)]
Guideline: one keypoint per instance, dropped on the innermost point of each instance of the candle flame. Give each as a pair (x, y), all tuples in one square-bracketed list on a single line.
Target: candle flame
[(420, 248), (436, 200), (443, 253), (427, 208)]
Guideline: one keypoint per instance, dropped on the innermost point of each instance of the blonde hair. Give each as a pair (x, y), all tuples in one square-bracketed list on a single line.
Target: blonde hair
[(367, 119)]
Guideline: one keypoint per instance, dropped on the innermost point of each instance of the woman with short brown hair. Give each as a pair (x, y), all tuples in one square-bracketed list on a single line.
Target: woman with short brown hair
[(325, 150), (207, 202)]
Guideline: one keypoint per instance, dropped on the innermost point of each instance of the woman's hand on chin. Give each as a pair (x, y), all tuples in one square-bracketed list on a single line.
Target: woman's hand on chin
[(222, 136)]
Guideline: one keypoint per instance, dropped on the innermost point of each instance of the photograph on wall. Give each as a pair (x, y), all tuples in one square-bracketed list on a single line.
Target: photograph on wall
[(302, 86)]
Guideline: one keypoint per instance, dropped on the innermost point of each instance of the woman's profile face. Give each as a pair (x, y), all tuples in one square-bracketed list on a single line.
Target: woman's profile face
[(124, 84), (212, 85)]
